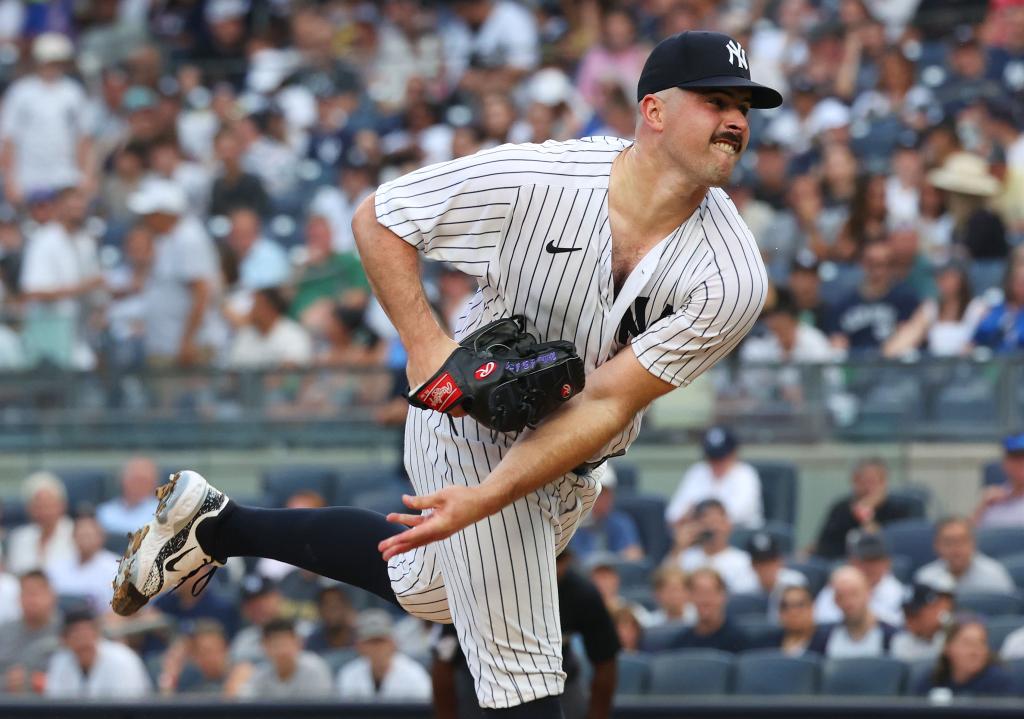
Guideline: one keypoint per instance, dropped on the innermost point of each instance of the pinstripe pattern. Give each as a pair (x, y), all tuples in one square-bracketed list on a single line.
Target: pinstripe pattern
[(685, 306)]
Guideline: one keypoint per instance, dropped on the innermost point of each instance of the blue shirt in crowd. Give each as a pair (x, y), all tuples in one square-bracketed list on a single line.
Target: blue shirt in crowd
[(869, 323), (1002, 329), (614, 533)]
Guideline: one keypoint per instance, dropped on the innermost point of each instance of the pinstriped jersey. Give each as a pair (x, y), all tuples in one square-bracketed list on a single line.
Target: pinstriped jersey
[(531, 224)]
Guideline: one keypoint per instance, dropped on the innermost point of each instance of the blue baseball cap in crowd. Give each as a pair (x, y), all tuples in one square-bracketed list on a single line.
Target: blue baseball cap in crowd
[(719, 442), (1014, 444), (698, 59)]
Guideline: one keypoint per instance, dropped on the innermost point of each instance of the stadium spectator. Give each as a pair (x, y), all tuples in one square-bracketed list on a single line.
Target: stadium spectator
[(289, 672), (260, 605), (704, 542), (1013, 646), (326, 276), (262, 262), (602, 569), (867, 508), (26, 644), (357, 178), (1002, 121), (713, 628), (47, 539), (1003, 505), (942, 326), (127, 174), (771, 179), (90, 667), (493, 47), (234, 187), (87, 574), (268, 153), (55, 277), (967, 666), (335, 628), (861, 322), (868, 554), (788, 339), (773, 578), (181, 325), (123, 345), (977, 231), (628, 629), (722, 476), (208, 669), (1002, 328), (381, 672), (271, 339), (960, 562), (45, 138), (137, 501), (166, 160), (796, 617), (859, 633), (865, 223), (187, 604), (805, 286), (927, 610), (671, 596), (607, 528), (618, 58)]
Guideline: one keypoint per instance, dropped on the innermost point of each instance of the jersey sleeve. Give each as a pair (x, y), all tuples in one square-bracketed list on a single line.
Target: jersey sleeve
[(718, 313), (456, 211)]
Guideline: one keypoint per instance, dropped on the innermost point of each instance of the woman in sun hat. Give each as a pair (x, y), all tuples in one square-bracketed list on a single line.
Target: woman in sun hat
[(966, 179)]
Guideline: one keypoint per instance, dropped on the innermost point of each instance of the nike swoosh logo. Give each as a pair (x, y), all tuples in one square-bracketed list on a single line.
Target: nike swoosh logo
[(556, 250), (173, 562)]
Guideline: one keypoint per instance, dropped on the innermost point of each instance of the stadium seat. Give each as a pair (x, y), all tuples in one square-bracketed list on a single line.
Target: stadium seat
[(644, 596), (84, 486), (690, 672), (350, 481), (12, 512), (913, 498), (280, 483), (780, 530), (1014, 564), (633, 674), (816, 569), (382, 501), (627, 477), (634, 573), (661, 637), (648, 511), (760, 632), (779, 486), (863, 676), (917, 672), (902, 568), (999, 628), (1000, 542), (913, 539), (1016, 669), (747, 605), (337, 658), (116, 543), (770, 672), (992, 473), (990, 604)]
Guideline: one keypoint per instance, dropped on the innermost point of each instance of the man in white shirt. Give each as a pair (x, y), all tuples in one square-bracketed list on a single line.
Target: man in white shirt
[(493, 48), (289, 672), (868, 554), (261, 261), (87, 574), (705, 543), (859, 633), (271, 339), (138, 484), (788, 339), (48, 538), (45, 142), (722, 476), (960, 563), (90, 667), (1002, 505), (927, 609), (381, 672), (182, 325)]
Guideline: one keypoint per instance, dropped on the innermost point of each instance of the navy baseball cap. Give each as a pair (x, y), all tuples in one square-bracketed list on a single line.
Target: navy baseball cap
[(719, 441), (700, 59)]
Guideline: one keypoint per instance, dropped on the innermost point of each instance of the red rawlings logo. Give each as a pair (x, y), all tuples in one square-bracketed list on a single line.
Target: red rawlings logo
[(566, 391), (441, 394), (484, 370)]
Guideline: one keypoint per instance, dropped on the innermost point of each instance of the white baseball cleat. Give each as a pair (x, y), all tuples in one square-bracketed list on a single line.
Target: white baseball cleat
[(165, 552)]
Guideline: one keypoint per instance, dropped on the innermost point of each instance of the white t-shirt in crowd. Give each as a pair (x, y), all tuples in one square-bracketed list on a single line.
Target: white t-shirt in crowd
[(286, 343), (52, 262), (406, 680), (507, 38), (1013, 646), (117, 673), (45, 122), (265, 265), (886, 603), (949, 339), (10, 595), (90, 579), (841, 645), (909, 647), (983, 575), (731, 563), (1009, 513), (739, 491), (23, 547)]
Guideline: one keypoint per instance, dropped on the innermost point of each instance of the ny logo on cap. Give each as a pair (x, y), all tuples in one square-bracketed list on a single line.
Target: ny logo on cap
[(736, 52)]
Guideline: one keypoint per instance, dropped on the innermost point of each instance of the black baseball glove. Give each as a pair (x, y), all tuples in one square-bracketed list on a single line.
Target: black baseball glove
[(503, 378)]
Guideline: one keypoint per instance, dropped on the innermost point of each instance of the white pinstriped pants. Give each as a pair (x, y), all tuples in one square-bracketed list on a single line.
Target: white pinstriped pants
[(496, 579)]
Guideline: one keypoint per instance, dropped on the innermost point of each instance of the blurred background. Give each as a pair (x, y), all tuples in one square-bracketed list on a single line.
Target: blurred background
[(179, 287)]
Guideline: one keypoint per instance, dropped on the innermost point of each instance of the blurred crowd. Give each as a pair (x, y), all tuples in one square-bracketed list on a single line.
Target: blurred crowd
[(713, 566), (179, 177)]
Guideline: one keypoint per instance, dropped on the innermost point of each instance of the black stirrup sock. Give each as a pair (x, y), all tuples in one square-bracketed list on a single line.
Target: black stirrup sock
[(336, 542)]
